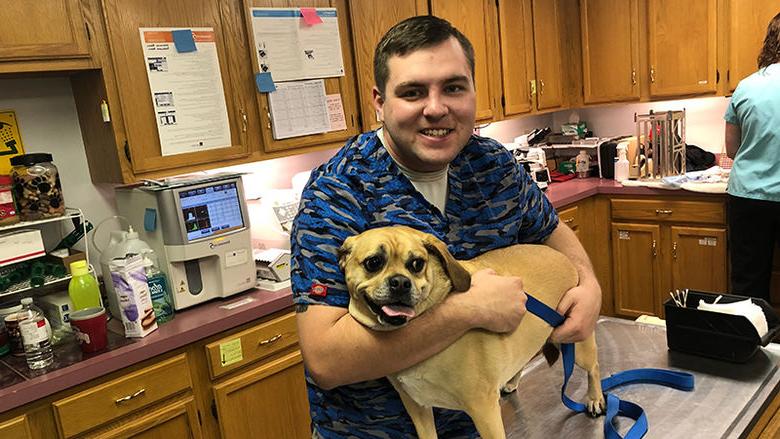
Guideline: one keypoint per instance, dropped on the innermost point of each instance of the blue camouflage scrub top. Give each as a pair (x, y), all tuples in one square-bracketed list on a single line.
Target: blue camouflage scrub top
[(492, 203)]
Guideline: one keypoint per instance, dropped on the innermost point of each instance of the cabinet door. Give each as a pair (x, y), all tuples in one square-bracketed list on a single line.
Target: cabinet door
[(268, 401), (610, 50), (177, 419), (33, 29), (343, 86), (517, 55), (749, 20), (17, 428), (682, 40), (698, 258), (547, 52), (123, 18), (476, 19), (370, 20), (637, 268)]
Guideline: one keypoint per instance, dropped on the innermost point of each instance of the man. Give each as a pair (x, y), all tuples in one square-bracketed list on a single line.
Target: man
[(423, 169)]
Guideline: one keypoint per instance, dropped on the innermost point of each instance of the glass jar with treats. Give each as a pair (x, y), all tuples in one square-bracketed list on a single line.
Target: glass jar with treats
[(37, 188)]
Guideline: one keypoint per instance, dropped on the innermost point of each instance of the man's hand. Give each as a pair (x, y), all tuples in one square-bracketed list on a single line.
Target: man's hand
[(493, 302), (581, 306)]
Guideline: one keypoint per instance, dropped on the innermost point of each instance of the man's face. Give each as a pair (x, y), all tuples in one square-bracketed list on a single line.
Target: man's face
[(428, 107)]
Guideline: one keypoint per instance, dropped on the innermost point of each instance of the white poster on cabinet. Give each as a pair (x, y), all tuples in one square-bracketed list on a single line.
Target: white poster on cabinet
[(291, 49), (187, 93), (299, 108)]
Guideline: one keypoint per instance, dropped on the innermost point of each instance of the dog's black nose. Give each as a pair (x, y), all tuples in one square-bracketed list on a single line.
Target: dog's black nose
[(399, 284)]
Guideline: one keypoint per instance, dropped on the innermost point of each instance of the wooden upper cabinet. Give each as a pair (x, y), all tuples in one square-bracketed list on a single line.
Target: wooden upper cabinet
[(610, 50), (35, 30), (547, 52), (682, 46), (123, 20), (370, 20), (477, 20), (517, 55), (343, 85), (749, 20)]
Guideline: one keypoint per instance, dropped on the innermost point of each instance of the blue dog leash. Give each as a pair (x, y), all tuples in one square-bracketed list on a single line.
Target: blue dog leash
[(615, 406)]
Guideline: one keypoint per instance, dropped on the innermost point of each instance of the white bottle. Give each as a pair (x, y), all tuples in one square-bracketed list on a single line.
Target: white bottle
[(582, 164), (36, 335), (621, 166)]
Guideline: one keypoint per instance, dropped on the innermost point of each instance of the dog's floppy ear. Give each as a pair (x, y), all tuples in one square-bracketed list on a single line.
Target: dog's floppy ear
[(344, 251), (460, 278)]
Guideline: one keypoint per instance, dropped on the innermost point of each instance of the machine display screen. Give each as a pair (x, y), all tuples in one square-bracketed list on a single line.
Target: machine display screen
[(211, 210)]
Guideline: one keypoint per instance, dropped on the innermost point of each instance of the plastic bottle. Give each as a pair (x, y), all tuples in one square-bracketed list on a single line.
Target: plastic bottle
[(36, 335), (583, 164), (162, 302), (83, 287), (621, 166)]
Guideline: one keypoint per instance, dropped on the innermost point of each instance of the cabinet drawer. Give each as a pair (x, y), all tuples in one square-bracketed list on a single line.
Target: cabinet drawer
[(710, 212), (113, 399), (250, 345), (570, 217)]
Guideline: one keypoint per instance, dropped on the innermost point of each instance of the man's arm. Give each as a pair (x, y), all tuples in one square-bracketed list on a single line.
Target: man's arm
[(581, 304), (337, 350), (733, 139)]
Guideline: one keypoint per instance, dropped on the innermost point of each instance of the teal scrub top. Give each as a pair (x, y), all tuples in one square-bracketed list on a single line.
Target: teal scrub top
[(755, 107)]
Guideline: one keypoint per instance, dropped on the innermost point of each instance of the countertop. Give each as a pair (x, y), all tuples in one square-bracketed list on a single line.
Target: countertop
[(20, 385), (727, 399)]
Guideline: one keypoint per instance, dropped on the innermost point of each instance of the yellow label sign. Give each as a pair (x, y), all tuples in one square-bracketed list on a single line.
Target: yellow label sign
[(230, 352), (10, 140)]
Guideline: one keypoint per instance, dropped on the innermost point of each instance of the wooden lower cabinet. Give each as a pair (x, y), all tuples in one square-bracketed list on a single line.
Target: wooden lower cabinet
[(175, 419), (17, 428), (660, 245), (267, 401)]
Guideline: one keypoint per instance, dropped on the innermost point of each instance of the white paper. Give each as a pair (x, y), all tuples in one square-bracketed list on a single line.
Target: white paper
[(290, 49), (336, 113), (187, 93), (298, 108)]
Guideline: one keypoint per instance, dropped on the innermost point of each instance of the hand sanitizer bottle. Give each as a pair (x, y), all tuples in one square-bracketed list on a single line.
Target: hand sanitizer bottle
[(621, 166)]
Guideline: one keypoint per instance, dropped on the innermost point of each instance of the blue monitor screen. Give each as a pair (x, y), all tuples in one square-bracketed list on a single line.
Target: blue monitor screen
[(211, 210)]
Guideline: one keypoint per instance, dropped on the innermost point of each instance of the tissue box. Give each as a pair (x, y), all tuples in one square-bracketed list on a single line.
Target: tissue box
[(716, 335)]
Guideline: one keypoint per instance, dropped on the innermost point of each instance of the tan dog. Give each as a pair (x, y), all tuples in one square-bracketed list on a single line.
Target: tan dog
[(396, 273)]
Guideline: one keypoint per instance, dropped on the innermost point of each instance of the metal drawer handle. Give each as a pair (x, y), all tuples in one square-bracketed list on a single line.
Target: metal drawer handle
[(663, 211), (129, 397), (568, 221), (270, 340)]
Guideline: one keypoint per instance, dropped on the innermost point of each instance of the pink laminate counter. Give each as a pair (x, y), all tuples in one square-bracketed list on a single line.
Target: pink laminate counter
[(188, 326), (211, 318)]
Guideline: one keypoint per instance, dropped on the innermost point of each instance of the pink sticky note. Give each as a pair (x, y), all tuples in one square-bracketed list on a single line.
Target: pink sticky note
[(310, 16)]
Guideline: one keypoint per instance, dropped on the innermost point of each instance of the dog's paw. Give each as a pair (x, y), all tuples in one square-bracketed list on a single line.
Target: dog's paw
[(509, 387), (597, 407)]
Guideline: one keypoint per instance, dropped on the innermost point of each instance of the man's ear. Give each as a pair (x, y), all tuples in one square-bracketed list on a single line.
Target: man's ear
[(344, 252), (460, 278), (378, 100)]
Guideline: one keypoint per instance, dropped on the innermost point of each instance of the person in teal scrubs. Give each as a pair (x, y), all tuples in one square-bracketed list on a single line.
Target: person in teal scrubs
[(753, 142)]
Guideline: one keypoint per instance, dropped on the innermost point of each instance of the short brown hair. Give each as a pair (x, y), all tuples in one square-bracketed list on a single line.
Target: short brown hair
[(413, 34), (770, 52)]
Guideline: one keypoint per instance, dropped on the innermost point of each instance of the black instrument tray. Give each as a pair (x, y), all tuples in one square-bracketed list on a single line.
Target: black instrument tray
[(713, 334)]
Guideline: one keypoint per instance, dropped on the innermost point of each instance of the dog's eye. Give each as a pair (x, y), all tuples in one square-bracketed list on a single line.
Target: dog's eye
[(373, 264), (416, 265)]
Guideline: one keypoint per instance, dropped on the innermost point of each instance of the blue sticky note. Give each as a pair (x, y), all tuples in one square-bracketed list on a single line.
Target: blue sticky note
[(184, 41), (150, 220), (264, 82)]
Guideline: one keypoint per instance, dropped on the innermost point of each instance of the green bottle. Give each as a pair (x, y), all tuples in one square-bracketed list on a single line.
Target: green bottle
[(83, 287)]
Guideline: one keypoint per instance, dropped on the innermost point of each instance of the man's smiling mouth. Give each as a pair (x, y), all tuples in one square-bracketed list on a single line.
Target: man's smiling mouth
[(436, 132)]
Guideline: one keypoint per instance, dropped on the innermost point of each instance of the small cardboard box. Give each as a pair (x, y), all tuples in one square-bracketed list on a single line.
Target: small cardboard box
[(57, 307), (66, 257)]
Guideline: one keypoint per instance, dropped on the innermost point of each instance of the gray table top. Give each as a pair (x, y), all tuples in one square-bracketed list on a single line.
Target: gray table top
[(728, 398)]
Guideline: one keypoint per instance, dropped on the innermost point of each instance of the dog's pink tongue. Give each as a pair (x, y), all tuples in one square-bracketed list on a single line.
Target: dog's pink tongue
[(398, 310)]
